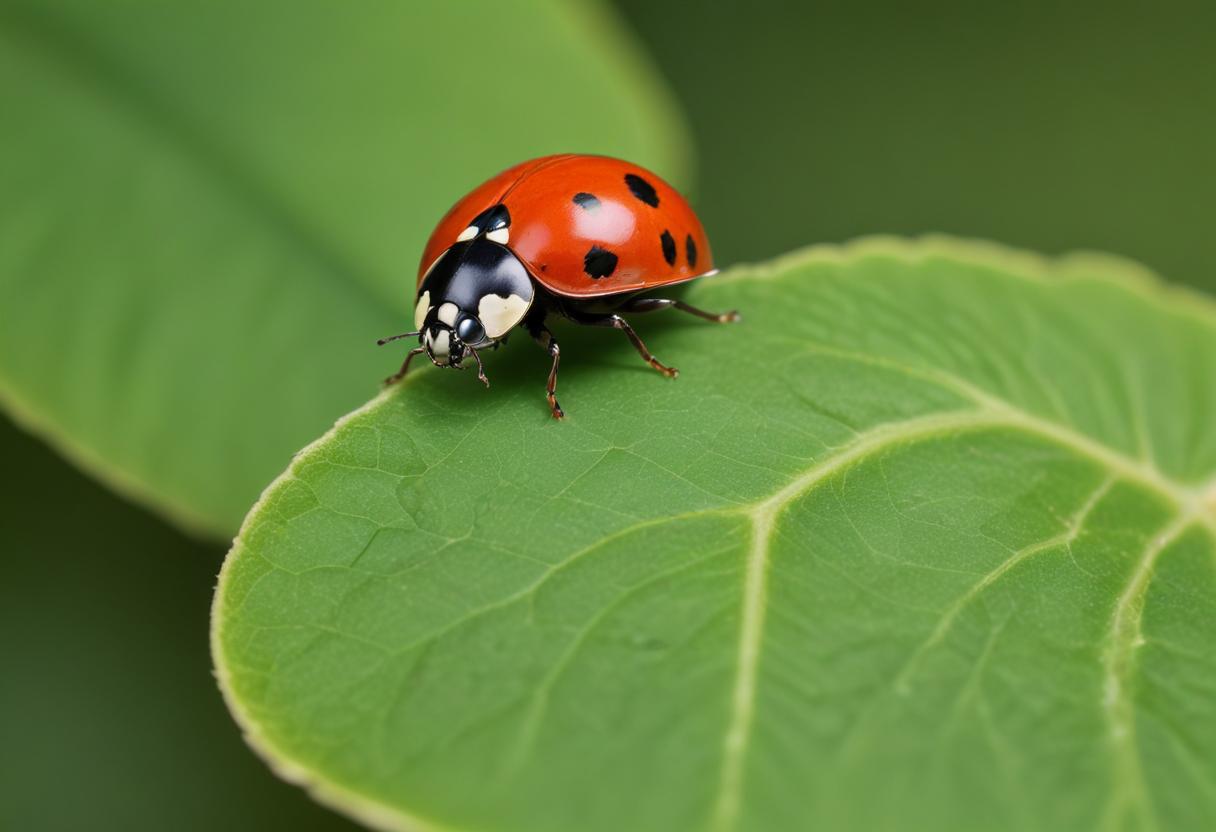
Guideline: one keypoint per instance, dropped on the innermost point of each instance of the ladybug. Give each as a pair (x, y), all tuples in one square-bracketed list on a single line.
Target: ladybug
[(571, 235)]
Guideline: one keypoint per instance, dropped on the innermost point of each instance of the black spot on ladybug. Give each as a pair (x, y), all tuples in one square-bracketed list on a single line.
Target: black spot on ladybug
[(599, 262), (492, 219), (586, 201), (669, 247), (690, 251), (642, 189)]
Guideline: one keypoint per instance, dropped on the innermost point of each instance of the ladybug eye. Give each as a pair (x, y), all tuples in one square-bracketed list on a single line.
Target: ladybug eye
[(469, 330)]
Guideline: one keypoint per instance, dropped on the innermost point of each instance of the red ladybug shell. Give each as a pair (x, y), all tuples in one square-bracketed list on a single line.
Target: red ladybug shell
[(587, 226)]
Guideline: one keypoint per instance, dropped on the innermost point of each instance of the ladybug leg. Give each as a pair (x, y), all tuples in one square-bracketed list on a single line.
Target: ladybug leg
[(481, 369), (405, 365), (651, 304), (617, 322), (541, 334)]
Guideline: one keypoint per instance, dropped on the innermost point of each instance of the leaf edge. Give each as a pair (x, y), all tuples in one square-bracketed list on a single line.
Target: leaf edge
[(1125, 273)]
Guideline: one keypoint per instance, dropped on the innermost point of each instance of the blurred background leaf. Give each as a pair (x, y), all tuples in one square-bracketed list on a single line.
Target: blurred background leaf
[(109, 719), (212, 210)]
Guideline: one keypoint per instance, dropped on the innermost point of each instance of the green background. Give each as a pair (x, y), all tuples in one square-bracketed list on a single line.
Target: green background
[(1086, 126), (1054, 126)]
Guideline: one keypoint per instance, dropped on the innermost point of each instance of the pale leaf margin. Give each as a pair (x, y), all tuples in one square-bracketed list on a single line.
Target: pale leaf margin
[(1197, 505)]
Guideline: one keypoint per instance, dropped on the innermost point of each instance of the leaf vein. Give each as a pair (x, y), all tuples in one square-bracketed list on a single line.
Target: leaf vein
[(1124, 637)]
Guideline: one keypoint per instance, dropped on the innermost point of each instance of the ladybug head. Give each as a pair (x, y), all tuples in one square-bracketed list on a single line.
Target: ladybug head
[(449, 339), (471, 297)]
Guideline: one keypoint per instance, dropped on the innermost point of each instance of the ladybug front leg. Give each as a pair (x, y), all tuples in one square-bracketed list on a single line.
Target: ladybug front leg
[(617, 322), (652, 304), (541, 334), (405, 366)]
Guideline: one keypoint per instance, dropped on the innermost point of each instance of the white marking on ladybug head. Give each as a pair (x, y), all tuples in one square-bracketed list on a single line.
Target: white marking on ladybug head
[(424, 306), (468, 234), (437, 343), (499, 235), (500, 315), (447, 313)]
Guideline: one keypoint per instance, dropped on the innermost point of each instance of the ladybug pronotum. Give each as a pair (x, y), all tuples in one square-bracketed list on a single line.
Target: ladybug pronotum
[(571, 235)]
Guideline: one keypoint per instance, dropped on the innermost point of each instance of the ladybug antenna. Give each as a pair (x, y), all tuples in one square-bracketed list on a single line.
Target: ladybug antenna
[(383, 341), (481, 370)]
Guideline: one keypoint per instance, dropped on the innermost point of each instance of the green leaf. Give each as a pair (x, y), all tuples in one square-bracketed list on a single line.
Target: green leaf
[(212, 210), (927, 542)]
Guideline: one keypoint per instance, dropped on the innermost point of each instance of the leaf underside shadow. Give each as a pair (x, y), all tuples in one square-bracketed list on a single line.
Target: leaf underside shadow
[(928, 541)]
